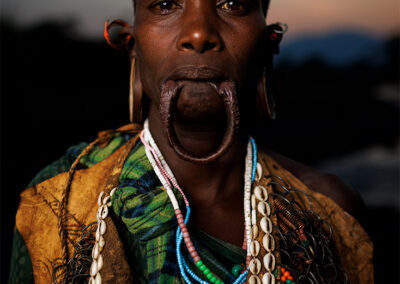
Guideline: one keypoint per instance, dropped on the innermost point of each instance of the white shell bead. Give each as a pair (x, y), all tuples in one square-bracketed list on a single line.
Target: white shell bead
[(264, 208), (113, 191), (93, 268), (255, 266), (254, 230), (103, 227), (98, 278), (268, 278), (100, 262), (259, 172), (266, 224), (254, 280), (269, 262), (101, 243), (268, 242), (95, 251), (261, 193), (98, 233), (106, 199), (103, 212), (253, 201), (253, 217), (255, 248), (100, 197)]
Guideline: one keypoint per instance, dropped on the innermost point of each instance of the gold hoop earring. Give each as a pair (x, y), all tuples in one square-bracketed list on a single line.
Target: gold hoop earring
[(135, 97)]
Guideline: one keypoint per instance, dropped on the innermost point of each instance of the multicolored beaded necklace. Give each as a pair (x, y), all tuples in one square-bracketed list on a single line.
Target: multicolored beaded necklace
[(169, 182)]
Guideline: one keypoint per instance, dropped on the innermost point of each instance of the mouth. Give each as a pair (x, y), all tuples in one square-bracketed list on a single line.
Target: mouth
[(197, 74), (203, 91)]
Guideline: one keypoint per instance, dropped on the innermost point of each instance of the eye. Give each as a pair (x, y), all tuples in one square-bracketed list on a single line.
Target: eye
[(165, 6), (233, 6)]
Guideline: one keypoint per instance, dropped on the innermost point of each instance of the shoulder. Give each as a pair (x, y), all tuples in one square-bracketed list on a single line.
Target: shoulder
[(325, 183)]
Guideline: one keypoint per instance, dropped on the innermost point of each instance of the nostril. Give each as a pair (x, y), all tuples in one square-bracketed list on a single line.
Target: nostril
[(187, 45), (209, 46)]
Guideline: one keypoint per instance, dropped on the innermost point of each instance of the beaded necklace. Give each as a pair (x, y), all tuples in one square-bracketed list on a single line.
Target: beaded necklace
[(169, 182)]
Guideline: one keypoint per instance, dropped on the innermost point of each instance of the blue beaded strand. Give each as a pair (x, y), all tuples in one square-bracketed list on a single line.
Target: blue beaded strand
[(183, 266), (254, 169)]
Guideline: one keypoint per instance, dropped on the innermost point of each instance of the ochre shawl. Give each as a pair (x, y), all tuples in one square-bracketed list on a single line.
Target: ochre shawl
[(36, 220)]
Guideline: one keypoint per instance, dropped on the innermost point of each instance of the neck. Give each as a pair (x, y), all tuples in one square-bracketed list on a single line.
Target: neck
[(204, 184)]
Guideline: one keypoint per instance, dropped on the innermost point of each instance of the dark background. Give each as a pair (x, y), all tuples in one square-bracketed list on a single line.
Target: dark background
[(338, 114)]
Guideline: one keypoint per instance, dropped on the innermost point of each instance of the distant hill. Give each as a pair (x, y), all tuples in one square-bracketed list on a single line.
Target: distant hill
[(336, 48)]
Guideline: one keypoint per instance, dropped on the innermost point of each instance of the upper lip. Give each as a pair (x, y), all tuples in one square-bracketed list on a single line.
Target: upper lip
[(198, 73)]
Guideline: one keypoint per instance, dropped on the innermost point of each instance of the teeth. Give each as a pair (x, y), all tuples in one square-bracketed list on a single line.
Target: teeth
[(255, 266), (261, 193), (255, 248), (268, 242)]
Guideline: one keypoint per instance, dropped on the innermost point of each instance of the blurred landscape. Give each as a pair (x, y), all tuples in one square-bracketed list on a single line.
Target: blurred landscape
[(338, 110)]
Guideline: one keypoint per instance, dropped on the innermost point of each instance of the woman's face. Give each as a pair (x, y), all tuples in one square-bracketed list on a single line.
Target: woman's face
[(199, 43)]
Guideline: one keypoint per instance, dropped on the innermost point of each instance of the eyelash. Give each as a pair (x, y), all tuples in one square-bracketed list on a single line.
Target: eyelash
[(172, 5)]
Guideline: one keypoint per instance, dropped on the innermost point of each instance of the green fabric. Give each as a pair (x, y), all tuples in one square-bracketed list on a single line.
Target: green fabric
[(147, 223)]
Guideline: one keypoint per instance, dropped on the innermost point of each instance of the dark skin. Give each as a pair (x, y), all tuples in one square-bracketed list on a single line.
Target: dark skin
[(224, 36)]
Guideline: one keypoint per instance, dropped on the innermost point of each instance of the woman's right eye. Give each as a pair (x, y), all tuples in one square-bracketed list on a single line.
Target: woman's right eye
[(165, 6)]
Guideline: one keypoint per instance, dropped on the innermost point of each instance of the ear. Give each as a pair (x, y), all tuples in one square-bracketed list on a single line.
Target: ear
[(124, 39)]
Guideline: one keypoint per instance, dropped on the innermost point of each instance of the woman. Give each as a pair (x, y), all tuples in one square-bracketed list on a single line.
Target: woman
[(191, 196)]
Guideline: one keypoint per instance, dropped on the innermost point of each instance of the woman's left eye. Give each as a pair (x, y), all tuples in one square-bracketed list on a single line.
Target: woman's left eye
[(234, 6)]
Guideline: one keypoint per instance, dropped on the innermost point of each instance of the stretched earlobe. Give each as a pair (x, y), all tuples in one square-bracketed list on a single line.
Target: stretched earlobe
[(125, 35), (135, 94)]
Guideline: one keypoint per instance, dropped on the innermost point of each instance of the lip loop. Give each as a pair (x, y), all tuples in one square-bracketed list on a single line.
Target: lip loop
[(168, 99)]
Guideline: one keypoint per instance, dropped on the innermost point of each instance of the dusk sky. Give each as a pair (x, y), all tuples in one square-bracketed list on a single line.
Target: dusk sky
[(305, 16)]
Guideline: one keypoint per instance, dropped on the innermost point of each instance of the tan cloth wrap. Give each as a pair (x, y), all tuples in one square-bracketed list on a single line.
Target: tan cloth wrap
[(36, 220)]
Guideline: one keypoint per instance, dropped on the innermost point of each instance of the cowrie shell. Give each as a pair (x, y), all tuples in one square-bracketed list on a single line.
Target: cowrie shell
[(259, 172), (106, 199), (255, 266), (269, 262), (95, 251), (254, 280), (261, 193), (101, 243), (100, 263), (103, 212), (113, 191), (103, 227), (255, 248), (254, 230), (98, 278), (266, 225), (100, 197), (93, 268), (264, 208), (268, 278), (92, 280), (268, 242)]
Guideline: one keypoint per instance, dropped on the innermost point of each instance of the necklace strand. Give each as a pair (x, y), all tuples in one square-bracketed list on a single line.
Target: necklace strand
[(168, 180)]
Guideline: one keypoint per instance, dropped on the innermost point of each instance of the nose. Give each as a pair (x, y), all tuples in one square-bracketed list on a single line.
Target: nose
[(199, 33)]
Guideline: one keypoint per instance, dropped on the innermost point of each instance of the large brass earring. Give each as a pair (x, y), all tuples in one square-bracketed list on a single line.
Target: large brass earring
[(135, 96), (265, 100)]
